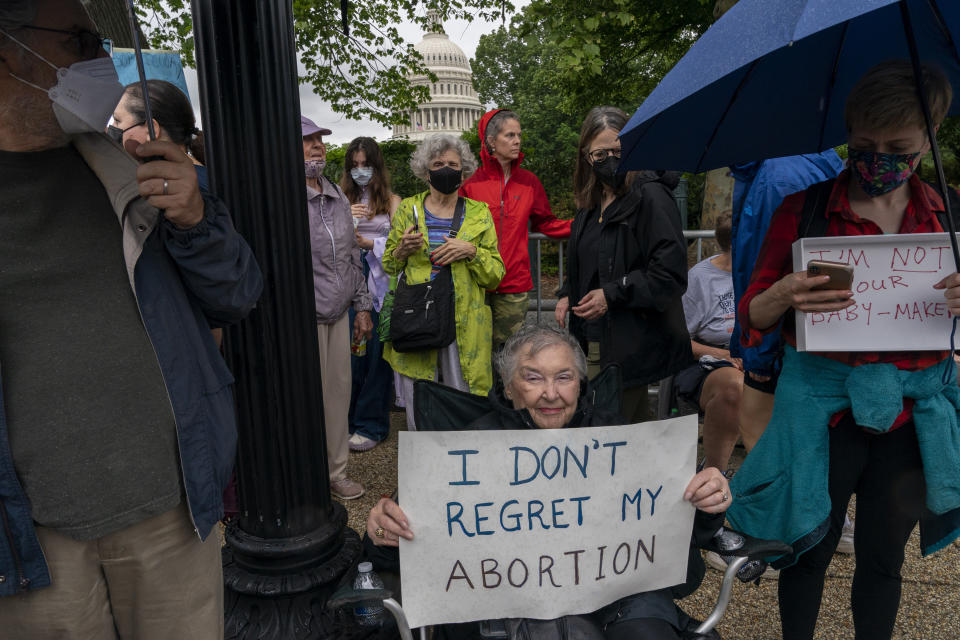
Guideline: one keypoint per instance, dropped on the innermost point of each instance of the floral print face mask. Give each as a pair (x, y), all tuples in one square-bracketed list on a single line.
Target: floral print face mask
[(880, 173)]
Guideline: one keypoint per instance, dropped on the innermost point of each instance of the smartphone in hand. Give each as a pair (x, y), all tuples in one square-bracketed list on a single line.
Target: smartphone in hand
[(841, 275)]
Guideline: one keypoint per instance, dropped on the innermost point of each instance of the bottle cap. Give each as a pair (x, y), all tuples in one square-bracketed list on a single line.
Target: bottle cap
[(365, 567)]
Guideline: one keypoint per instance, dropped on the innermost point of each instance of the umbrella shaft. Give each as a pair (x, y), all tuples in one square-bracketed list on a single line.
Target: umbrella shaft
[(931, 129)]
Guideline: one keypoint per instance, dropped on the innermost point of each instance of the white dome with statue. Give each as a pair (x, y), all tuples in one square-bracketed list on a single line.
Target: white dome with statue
[(454, 106)]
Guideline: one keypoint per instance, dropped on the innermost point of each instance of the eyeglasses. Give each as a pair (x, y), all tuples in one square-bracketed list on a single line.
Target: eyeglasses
[(89, 43), (599, 155)]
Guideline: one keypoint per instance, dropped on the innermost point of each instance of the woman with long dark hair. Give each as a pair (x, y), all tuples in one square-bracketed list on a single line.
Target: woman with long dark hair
[(627, 266), (173, 120), (366, 183)]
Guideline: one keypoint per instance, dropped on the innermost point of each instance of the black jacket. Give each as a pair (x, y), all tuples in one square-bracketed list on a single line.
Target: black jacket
[(643, 274)]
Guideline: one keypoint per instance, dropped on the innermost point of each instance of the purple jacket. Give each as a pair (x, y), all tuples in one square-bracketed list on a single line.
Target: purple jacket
[(338, 278)]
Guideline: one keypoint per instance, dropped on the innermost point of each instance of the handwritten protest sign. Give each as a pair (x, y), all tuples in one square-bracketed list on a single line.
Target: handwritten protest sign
[(542, 523), (896, 307)]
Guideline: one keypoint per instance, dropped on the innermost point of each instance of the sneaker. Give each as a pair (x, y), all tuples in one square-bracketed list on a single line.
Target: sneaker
[(346, 489), (715, 561), (361, 443), (846, 537)]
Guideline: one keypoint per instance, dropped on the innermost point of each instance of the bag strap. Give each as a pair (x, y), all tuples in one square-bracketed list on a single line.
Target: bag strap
[(458, 214), (813, 219)]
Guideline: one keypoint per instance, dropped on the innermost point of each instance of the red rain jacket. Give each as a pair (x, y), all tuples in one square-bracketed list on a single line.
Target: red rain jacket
[(512, 205)]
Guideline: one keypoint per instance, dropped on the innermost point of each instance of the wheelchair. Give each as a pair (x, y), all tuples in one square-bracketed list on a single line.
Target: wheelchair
[(438, 407)]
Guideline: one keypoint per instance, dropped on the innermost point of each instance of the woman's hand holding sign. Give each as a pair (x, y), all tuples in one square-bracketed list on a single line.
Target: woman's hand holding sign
[(709, 491), (387, 523), (951, 287)]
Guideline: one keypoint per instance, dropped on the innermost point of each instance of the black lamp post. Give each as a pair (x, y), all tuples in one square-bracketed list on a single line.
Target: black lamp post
[(291, 543)]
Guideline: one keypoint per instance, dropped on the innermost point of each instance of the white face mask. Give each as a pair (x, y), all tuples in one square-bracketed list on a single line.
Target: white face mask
[(362, 175), (85, 94)]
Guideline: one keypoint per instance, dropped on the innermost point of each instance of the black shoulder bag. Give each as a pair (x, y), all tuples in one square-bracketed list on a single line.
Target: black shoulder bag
[(423, 314)]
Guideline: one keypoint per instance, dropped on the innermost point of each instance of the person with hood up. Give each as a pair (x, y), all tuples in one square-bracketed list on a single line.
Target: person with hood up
[(515, 197), (626, 267)]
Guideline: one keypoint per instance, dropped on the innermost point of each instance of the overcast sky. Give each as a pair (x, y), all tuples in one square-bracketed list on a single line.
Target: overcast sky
[(463, 33)]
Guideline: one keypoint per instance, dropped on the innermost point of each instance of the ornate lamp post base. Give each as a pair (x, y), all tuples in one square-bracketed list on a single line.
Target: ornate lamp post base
[(287, 604)]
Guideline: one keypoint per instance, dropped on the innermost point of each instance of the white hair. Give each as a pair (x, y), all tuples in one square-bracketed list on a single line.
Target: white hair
[(436, 145), (17, 13), (532, 339)]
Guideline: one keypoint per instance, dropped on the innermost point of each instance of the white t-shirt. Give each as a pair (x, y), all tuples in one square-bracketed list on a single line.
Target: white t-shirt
[(708, 304)]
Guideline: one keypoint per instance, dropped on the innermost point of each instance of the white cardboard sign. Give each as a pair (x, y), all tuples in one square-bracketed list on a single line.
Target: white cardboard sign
[(542, 523), (896, 307)]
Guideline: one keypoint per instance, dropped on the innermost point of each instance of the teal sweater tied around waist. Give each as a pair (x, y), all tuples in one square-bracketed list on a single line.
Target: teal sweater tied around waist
[(781, 491)]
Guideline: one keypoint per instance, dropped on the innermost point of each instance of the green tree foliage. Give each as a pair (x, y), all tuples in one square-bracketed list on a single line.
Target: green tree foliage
[(363, 75), (559, 59), (614, 51)]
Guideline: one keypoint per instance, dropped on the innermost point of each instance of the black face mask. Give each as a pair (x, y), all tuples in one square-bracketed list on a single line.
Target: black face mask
[(606, 172), (446, 180), (116, 133)]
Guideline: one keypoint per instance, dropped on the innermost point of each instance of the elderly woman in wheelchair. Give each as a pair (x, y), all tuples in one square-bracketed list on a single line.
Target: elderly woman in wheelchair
[(543, 372)]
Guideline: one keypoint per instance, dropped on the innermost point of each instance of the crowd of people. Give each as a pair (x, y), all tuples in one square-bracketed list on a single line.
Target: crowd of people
[(103, 530)]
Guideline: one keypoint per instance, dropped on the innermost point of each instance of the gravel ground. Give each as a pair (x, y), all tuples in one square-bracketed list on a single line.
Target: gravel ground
[(930, 607)]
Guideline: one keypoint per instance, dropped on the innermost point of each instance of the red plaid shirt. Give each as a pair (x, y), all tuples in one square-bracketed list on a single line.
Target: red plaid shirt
[(776, 261)]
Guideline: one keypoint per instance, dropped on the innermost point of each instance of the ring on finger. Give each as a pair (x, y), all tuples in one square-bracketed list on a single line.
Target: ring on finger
[(166, 188), (378, 532)]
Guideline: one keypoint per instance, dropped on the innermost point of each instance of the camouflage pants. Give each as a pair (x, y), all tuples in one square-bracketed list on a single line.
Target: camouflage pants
[(509, 310)]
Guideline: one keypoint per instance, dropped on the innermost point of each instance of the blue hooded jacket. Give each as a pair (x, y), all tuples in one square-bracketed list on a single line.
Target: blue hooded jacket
[(759, 189)]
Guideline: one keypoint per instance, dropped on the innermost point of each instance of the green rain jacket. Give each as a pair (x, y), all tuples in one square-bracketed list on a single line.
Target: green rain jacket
[(471, 280)]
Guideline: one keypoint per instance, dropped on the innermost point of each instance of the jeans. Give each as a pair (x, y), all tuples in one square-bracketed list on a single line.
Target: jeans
[(372, 385)]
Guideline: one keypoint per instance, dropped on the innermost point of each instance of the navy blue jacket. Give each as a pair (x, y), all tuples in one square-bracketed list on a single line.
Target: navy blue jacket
[(183, 282)]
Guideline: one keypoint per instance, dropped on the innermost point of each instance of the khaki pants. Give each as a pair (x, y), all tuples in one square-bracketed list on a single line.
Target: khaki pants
[(151, 581), (508, 310), (635, 403), (335, 374)]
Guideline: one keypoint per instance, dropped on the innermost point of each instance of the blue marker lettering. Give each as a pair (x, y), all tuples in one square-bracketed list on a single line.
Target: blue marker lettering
[(531, 514), (613, 454), (626, 498), (582, 465), (516, 465), (653, 498), (580, 502), (516, 523), (456, 518), (479, 518), (556, 512), (464, 453)]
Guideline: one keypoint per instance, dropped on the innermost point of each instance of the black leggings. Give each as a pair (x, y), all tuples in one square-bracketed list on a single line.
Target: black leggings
[(885, 471)]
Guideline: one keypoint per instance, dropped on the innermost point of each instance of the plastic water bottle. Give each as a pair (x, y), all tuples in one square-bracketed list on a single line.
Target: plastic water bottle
[(369, 613), (359, 347)]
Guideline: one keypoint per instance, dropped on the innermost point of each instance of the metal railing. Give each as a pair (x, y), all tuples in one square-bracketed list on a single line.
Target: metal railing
[(538, 304)]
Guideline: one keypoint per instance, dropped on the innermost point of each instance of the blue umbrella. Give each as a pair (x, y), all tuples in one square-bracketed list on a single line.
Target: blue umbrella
[(771, 78)]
